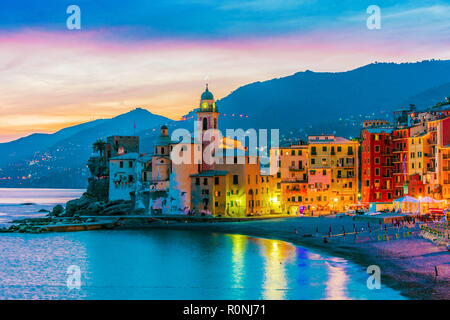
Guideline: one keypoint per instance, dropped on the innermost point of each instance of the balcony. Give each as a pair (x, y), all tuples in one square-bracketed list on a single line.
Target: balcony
[(291, 168)]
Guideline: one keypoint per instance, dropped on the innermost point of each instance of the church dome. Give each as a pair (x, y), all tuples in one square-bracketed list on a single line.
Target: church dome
[(207, 95)]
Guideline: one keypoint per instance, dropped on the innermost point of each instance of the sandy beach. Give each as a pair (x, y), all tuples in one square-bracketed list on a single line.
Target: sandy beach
[(407, 264)]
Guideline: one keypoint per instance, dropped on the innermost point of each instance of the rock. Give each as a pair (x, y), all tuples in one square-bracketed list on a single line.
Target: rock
[(43, 210), (57, 210), (95, 207), (98, 189), (77, 204), (117, 209)]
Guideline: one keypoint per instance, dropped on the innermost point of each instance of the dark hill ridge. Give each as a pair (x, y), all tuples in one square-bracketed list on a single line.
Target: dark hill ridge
[(303, 103), (311, 97)]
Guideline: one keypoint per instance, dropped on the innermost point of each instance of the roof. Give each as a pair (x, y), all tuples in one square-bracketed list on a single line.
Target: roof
[(207, 95), (378, 130), (145, 158), (326, 140), (210, 173), (163, 141), (127, 156)]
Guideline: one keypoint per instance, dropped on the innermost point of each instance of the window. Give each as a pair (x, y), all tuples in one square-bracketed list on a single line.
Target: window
[(235, 179), (350, 151), (313, 161), (377, 148), (324, 149), (130, 164), (205, 181), (205, 124), (121, 164), (313, 151), (339, 149), (292, 152), (299, 152), (216, 180), (197, 181)]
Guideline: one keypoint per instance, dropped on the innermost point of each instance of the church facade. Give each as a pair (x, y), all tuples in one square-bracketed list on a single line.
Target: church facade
[(208, 176)]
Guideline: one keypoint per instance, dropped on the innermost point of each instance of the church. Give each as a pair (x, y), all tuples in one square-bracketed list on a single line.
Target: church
[(216, 177)]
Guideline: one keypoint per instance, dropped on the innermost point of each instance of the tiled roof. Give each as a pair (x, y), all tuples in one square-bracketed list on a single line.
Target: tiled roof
[(127, 156)]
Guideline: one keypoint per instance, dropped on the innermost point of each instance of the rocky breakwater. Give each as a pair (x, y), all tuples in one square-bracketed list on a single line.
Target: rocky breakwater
[(81, 211)]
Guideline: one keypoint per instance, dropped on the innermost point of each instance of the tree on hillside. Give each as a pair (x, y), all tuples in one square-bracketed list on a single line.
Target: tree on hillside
[(99, 146)]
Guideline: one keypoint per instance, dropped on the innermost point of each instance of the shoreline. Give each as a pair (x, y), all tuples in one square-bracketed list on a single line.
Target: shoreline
[(407, 265)]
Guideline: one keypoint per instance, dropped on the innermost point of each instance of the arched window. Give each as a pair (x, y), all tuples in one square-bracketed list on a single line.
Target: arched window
[(205, 124)]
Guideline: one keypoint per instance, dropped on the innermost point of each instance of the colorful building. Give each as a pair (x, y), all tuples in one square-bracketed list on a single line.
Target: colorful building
[(377, 165), (293, 177), (332, 173)]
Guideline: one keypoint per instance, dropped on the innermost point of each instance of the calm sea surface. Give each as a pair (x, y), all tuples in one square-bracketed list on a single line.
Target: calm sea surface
[(164, 264)]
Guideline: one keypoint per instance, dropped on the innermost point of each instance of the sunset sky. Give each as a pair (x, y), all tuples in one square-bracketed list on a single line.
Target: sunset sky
[(157, 54)]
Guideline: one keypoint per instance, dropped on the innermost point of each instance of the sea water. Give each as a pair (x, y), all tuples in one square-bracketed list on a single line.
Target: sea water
[(164, 264)]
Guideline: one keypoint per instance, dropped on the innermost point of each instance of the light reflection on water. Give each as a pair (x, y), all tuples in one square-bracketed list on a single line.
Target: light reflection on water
[(167, 264)]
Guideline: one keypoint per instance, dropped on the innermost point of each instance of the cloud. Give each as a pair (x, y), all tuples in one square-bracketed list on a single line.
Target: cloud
[(157, 57)]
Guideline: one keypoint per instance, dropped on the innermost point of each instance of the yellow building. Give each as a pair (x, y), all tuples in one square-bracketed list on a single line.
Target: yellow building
[(332, 173), (232, 185), (292, 177)]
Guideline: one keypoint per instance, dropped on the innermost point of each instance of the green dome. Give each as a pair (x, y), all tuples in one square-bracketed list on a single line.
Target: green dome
[(207, 95), (162, 141)]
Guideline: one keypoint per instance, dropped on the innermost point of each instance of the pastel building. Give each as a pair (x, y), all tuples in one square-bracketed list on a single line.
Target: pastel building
[(124, 175), (293, 176), (333, 173)]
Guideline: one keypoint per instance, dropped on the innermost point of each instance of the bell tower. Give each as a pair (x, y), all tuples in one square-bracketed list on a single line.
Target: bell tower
[(208, 118)]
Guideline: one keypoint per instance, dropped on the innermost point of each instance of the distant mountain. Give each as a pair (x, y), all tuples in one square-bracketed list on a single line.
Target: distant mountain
[(310, 99), (27, 146), (59, 159), (304, 103), (429, 97)]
